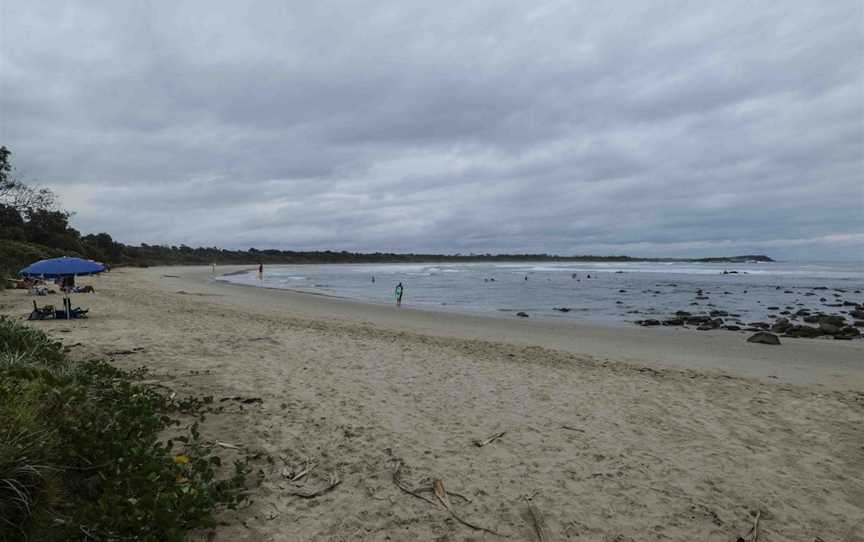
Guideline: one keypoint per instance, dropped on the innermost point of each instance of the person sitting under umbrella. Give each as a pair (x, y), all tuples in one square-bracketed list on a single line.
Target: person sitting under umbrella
[(66, 268)]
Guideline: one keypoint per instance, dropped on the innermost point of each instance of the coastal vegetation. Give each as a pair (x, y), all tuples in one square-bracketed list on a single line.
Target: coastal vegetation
[(91, 452)]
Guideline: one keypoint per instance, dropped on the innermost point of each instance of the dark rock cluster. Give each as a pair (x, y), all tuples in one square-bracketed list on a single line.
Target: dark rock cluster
[(762, 337), (802, 323)]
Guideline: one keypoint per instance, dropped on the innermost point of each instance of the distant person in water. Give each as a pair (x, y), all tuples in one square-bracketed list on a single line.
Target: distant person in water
[(399, 291), (373, 279)]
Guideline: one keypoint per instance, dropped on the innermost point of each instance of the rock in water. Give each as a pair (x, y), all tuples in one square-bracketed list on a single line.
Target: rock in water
[(806, 332), (850, 332), (833, 319), (781, 325), (649, 322), (829, 329), (763, 337), (522, 314)]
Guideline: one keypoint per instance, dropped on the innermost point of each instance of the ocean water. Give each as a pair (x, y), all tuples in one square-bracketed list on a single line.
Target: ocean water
[(615, 293)]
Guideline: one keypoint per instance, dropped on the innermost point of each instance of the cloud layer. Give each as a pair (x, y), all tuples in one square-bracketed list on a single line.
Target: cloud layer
[(675, 128)]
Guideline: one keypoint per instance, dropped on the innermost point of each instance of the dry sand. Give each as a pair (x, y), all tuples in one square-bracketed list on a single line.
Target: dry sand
[(611, 434)]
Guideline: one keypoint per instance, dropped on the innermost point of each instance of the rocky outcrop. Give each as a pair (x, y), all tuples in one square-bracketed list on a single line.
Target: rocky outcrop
[(763, 337), (805, 332), (781, 325), (649, 322), (823, 325), (829, 329)]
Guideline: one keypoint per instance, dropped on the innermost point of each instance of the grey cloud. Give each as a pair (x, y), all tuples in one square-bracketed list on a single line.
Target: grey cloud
[(679, 128)]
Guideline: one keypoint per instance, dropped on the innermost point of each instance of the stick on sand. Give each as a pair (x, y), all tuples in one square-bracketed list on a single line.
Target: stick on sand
[(442, 497), (312, 493), (490, 440), (753, 534), (539, 524)]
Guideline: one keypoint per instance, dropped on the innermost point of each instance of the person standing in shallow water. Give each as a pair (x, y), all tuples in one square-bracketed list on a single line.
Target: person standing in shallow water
[(399, 291)]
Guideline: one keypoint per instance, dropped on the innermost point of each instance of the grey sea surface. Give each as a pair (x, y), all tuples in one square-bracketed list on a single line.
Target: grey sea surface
[(607, 293)]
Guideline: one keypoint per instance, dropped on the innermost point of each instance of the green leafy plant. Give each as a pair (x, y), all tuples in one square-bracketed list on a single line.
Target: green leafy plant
[(85, 451)]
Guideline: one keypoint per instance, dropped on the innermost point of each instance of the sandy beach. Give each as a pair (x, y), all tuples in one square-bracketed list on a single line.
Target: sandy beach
[(609, 434)]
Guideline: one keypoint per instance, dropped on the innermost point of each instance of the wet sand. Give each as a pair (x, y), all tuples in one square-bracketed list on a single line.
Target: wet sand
[(611, 434), (802, 361)]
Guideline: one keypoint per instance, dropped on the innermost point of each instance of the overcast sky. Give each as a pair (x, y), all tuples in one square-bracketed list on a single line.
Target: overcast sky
[(643, 128)]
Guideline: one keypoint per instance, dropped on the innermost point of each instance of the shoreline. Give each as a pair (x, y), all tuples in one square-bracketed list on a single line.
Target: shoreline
[(681, 303), (497, 314), (834, 364), (606, 447)]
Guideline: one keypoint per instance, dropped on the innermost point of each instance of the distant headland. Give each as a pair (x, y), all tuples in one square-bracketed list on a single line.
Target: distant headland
[(164, 255)]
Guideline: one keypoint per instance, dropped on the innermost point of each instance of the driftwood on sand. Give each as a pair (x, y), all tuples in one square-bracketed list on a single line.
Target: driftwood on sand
[(436, 487), (296, 475), (425, 485), (539, 524), (753, 534), (400, 483), (309, 493), (442, 498), (489, 440)]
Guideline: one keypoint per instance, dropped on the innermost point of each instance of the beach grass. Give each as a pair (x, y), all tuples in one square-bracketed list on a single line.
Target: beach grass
[(85, 451)]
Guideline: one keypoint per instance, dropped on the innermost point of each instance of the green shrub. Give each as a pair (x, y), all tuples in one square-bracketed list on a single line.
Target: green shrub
[(84, 452), (31, 344), (28, 482), (6, 275)]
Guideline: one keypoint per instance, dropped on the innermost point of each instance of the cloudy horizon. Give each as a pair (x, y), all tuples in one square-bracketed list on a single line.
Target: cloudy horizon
[(647, 129)]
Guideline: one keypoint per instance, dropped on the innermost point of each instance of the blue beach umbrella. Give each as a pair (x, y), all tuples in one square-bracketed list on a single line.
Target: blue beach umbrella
[(62, 267)]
